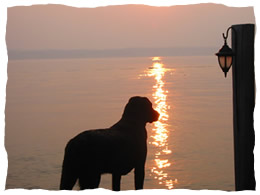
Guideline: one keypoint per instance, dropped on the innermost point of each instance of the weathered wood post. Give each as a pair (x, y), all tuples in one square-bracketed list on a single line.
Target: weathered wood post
[(243, 105)]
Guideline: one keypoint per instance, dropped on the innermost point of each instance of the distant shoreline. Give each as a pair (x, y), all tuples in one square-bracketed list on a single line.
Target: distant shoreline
[(109, 53)]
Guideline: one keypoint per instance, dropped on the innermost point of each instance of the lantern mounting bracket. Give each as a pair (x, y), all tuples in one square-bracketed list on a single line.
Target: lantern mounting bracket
[(226, 36)]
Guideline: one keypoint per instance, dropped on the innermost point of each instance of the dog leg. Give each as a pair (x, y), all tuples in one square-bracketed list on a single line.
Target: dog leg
[(116, 178), (89, 181), (139, 177), (69, 175), (68, 180)]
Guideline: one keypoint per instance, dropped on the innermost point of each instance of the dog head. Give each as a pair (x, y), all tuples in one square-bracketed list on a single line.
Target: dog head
[(140, 108)]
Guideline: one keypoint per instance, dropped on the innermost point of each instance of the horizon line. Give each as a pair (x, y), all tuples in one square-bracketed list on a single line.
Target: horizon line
[(19, 54)]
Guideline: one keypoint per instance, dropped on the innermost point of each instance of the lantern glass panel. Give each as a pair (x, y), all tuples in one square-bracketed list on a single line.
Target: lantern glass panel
[(229, 61), (222, 61), (225, 61)]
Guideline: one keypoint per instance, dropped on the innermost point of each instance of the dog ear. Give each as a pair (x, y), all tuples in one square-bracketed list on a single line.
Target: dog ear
[(131, 107)]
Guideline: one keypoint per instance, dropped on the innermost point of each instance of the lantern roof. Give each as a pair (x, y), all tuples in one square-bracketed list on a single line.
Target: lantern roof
[(225, 51)]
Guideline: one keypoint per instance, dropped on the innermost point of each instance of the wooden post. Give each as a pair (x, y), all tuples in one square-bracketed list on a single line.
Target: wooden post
[(243, 105)]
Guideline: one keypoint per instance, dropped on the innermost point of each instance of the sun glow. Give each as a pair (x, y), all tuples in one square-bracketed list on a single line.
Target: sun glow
[(154, 59), (160, 129)]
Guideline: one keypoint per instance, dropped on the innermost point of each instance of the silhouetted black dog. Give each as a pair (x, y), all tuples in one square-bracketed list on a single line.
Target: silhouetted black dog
[(116, 150)]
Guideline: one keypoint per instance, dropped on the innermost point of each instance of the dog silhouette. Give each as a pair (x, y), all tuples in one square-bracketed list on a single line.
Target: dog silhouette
[(116, 150)]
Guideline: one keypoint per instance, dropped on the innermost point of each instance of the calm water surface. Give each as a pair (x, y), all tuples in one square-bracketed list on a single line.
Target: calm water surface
[(50, 101)]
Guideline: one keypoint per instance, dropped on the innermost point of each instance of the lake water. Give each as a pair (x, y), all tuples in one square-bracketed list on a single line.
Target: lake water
[(50, 101)]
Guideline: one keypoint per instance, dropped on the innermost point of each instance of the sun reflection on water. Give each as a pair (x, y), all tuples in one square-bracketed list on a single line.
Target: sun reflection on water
[(160, 128)]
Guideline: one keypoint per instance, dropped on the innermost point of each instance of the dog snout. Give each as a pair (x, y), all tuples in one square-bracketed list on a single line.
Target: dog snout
[(155, 115)]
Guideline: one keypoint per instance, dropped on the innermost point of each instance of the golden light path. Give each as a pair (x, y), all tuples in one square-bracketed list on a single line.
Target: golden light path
[(160, 128)]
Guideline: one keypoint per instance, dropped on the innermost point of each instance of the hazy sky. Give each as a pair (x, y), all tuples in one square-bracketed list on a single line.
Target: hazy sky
[(128, 26)]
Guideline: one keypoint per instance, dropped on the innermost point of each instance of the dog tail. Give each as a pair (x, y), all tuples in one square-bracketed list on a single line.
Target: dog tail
[(69, 174)]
